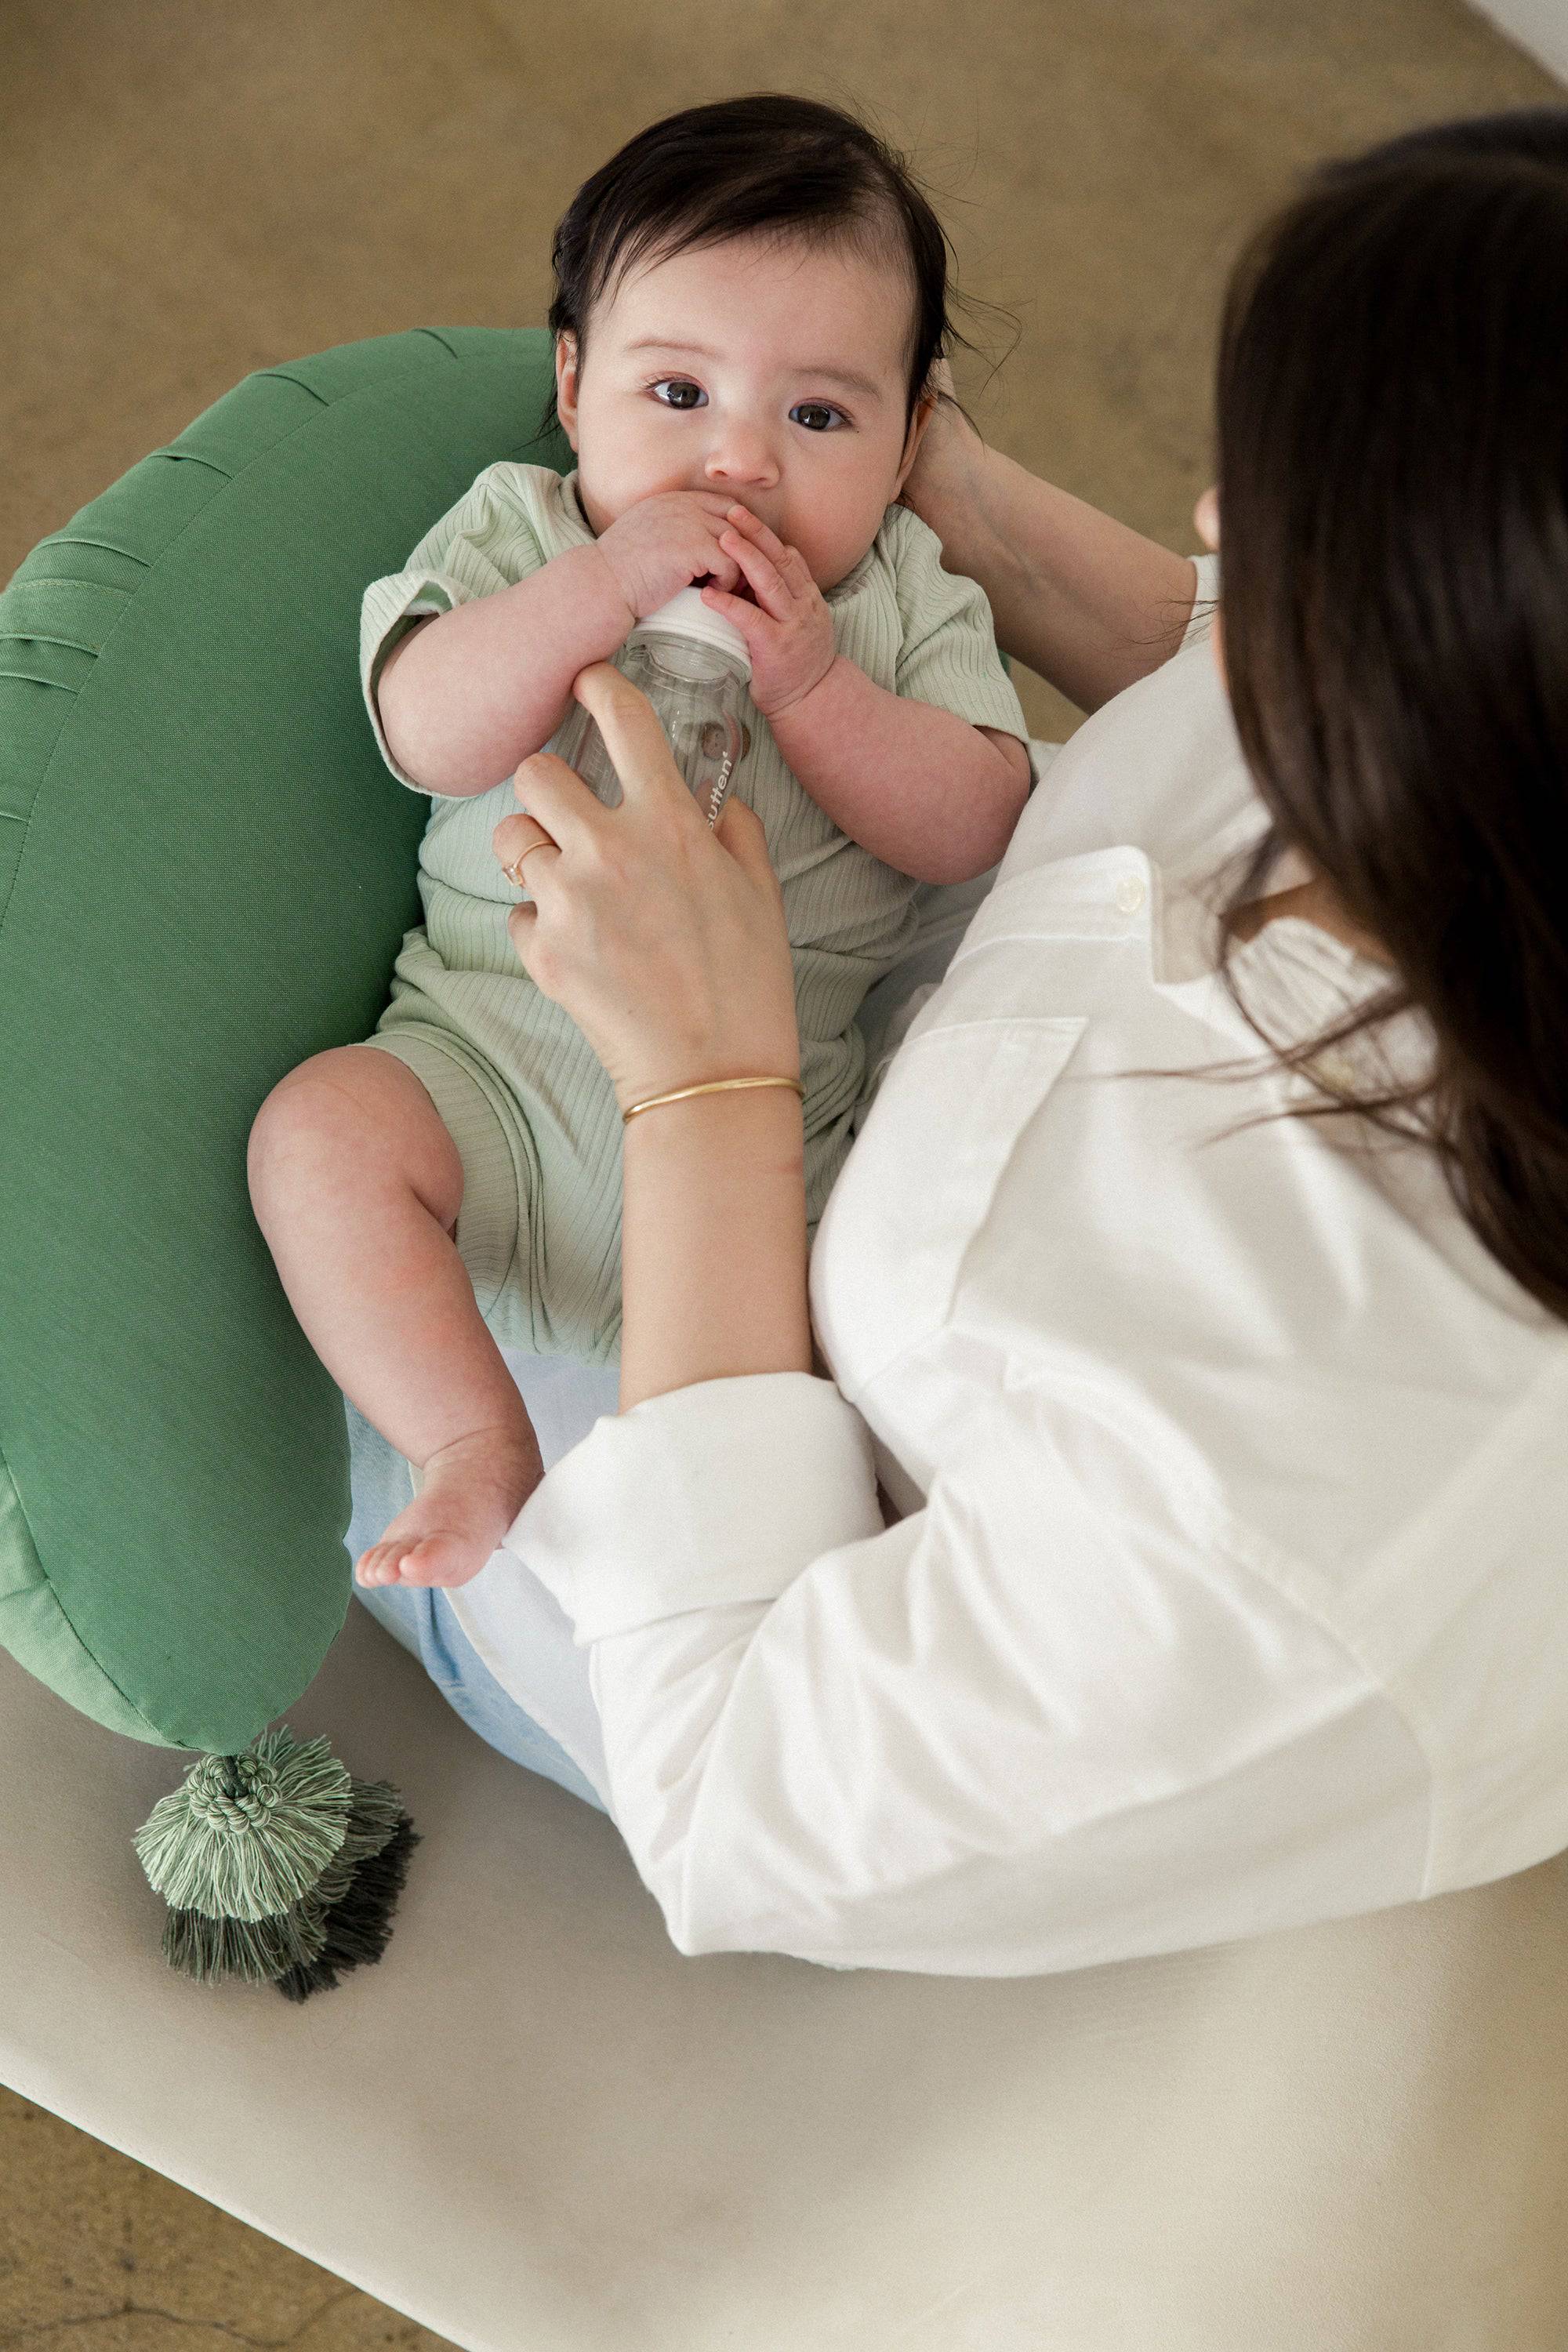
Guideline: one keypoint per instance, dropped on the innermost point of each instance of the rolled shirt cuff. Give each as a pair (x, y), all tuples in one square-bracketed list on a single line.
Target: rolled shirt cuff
[(1201, 618), (703, 1497)]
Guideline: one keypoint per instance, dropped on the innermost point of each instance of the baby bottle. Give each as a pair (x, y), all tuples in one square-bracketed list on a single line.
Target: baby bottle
[(694, 668)]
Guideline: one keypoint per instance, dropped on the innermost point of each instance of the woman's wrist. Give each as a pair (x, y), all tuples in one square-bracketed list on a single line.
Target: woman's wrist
[(1083, 601), (713, 1242), (673, 1070), (705, 1086), (751, 1127)]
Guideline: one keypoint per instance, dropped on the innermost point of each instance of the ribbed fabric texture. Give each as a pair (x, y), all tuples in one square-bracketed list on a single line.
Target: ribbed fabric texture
[(915, 629)]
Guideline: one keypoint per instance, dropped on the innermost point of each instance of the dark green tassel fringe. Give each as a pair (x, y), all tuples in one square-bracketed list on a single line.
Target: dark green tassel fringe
[(359, 1924), (277, 1867)]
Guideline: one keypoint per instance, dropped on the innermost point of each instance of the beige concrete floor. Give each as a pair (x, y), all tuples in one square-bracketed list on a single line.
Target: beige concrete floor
[(194, 188)]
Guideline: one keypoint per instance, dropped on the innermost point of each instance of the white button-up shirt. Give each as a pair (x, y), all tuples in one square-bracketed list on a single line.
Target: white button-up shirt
[(1231, 1590)]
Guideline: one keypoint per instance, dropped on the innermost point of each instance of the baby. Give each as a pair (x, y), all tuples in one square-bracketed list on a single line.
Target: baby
[(750, 301)]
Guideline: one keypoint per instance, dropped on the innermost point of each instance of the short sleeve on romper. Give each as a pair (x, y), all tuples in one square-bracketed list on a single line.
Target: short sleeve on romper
[(949, 655), (491, 539)]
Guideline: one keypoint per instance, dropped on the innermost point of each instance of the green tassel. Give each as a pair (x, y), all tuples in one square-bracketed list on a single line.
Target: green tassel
[(358, 1924), (247, 1836), (277, 1867), (209, 1949)]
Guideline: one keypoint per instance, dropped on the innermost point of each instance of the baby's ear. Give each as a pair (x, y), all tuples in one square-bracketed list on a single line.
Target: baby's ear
[(925, 409), (566, 373)]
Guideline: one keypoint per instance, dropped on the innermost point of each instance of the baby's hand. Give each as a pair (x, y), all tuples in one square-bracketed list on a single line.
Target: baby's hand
[(662, 544), (789, 629)]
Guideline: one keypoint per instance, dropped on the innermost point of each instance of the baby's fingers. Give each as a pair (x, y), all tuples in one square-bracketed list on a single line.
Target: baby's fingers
[(752, 526), (768, 584), (790, 564), (739, 611), (722, 565)]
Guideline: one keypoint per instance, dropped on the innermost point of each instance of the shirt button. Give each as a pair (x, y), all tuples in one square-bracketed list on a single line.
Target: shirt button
[(1130, 894)]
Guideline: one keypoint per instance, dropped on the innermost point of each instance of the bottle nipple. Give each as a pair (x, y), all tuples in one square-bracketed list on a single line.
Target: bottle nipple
[(686, 615)]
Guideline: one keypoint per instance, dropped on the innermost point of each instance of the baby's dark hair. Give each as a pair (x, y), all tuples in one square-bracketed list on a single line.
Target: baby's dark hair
[(769, 163)]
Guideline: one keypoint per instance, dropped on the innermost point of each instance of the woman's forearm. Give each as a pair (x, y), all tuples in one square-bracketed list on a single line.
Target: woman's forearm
[(1087, 603), (713, 1249)]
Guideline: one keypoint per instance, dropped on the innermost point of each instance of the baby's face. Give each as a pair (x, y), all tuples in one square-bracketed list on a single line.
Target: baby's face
[(774, 374)]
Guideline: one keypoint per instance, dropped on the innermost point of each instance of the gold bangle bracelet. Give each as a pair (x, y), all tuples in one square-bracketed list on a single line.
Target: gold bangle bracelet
[(713, 1086)]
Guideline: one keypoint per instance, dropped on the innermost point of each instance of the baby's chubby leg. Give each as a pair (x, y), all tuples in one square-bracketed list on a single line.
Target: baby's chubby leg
[(356, 1185)]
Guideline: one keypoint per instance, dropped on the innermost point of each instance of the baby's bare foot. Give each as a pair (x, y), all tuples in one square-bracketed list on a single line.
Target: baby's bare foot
[(473, 1490)]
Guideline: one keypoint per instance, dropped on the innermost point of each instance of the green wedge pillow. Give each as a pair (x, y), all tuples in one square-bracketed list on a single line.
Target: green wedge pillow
[(205, 875)]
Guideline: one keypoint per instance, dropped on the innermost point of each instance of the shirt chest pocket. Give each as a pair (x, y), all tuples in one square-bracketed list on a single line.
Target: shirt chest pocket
[(954, 1103)]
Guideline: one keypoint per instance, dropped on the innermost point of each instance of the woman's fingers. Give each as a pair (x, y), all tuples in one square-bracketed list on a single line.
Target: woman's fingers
[(520, 923), (634, 739), (559, 806), (740, 829), (558, 802), (513, 840)]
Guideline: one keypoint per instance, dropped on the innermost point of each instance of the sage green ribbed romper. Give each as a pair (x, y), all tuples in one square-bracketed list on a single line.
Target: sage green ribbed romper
[(522, 1093)]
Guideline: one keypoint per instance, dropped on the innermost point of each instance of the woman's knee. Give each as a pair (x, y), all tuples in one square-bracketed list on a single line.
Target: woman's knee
[(356, 1116)]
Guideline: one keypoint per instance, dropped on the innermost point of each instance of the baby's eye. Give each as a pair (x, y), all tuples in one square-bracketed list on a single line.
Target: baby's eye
[(679, 384), (805, 410)]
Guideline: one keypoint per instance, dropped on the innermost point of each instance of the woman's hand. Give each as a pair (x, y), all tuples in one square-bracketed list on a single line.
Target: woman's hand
[(663, 938), (940, 481)]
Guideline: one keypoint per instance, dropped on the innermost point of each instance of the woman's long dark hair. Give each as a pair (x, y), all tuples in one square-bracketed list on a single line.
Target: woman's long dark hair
[(769, 163), (1392, 474)]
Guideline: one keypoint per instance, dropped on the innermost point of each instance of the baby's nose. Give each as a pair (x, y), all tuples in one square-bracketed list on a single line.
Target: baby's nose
[(742, 456)]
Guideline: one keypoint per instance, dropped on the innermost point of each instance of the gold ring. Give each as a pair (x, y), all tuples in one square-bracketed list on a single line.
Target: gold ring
[(510, 871)]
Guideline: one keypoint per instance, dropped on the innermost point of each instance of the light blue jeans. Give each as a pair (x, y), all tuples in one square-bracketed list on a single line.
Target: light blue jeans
[(421, 1617)]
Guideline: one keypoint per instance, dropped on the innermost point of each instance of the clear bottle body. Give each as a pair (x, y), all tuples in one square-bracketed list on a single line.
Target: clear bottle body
[(699, 693)]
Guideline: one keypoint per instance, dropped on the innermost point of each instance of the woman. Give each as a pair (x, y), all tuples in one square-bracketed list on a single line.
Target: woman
[(1198, 1285)]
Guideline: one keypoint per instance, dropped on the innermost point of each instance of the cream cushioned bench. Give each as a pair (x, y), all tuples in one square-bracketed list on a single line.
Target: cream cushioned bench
[(535, 2126)]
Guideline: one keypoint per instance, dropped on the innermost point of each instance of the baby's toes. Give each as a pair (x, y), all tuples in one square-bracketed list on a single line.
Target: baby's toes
[(443, 1558), (379, 1564)]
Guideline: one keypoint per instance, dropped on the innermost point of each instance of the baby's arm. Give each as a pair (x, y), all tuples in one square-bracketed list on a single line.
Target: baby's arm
[(468, 695), (918, 787), (921, 788), (464, 701)]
